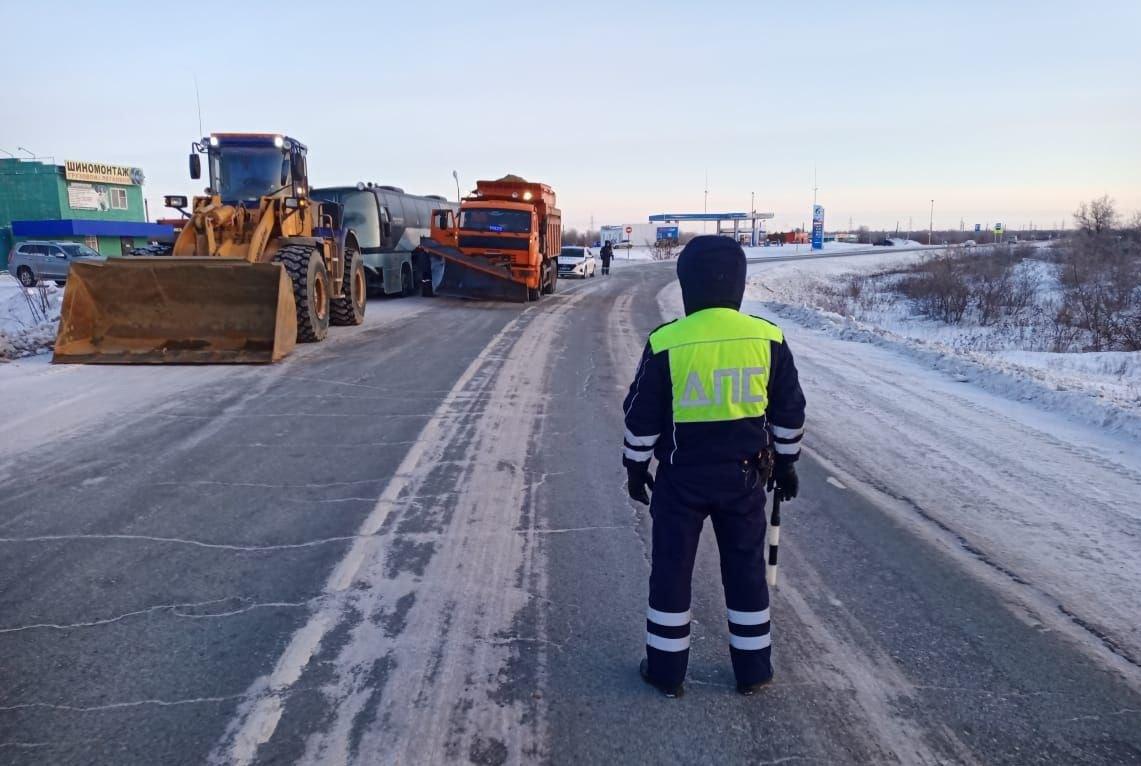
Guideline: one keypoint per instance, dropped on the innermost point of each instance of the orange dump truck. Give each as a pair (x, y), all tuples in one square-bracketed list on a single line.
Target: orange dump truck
[(504, 244)]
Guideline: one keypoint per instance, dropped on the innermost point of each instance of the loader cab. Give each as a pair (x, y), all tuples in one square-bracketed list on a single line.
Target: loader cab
[(244, 167)]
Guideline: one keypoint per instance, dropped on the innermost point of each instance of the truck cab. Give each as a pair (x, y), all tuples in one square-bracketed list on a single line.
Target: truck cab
[(509, 224)]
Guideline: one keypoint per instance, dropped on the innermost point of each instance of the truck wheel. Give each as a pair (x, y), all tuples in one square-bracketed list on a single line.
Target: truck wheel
[(347, 309), (407, 286), (552, 280), (533, 293), (306, 270), (26, 277)]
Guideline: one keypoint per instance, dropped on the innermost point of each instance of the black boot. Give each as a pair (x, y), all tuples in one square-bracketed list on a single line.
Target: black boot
[(750, 689), (670, 691)]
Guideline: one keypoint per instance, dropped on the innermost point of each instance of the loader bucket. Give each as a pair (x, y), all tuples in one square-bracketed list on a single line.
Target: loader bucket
[(463, 276), (175, 311)]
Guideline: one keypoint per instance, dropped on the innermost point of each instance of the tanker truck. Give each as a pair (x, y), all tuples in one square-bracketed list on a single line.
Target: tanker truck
[(503, 245)]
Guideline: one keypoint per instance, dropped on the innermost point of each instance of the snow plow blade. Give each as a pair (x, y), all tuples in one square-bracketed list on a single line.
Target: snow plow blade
[(166, 310), (464, 276)]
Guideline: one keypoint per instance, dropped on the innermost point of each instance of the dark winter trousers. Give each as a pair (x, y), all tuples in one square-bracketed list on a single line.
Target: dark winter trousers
[(733, 497), (605, 267)]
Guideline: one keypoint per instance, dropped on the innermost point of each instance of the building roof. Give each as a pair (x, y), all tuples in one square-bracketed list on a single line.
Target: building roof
[(710, 217), (86, 228)]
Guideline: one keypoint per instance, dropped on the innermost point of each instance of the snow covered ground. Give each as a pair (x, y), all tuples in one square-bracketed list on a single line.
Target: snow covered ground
[(1103, 389), (1039, 484), (28, 318)]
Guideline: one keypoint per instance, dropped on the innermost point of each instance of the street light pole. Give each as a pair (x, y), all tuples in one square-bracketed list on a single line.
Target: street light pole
[(931, 224), (456, 176)]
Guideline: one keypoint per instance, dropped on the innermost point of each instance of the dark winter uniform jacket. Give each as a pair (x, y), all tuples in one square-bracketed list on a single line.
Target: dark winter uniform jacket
[(716, 386)]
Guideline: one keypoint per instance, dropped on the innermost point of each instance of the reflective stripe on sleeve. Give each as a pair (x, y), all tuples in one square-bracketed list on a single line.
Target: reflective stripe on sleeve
[(641, 441), (781, 432), (786, 449), (668, 644), (749, 618), (749, 643), (668, 619)]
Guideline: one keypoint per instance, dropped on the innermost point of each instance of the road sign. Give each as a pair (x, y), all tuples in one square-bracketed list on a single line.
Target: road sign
[(629, 229), (998, 228), (817, 227), (978, 227)]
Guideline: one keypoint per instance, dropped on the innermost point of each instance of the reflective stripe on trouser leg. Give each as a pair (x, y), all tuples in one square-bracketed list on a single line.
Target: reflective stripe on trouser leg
[(740, 529), (676, 529)]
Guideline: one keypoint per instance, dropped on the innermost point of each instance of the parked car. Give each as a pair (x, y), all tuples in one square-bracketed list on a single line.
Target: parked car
[(970, 243), (577, 262), (33, 261)]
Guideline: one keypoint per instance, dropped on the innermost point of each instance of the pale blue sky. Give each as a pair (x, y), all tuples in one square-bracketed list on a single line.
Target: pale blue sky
[(999, 111)]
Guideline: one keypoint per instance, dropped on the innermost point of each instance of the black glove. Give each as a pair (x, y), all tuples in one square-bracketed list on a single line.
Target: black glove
[(638, 478), (784, 479)]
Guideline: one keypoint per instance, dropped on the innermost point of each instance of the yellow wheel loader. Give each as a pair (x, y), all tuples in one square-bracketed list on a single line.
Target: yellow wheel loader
[(258, 267)]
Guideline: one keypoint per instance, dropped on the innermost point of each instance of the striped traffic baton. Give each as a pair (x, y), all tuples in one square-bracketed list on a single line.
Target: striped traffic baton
[(773, 541)]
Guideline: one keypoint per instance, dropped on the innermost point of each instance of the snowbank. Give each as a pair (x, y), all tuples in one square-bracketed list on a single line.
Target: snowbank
[(1102, 389), (28, 318)]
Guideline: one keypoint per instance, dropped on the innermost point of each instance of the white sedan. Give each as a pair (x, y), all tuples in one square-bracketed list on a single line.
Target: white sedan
[(576, 261)]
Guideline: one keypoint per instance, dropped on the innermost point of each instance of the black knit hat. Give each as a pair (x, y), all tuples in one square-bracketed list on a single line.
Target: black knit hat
[(711, 271)]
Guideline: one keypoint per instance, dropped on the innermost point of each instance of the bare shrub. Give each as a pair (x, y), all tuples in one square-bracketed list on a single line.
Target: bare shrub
[(39, 304), (939, 289), (1024, 287)]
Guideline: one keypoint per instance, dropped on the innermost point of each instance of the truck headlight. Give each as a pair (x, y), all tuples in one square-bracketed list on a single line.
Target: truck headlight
[(278, 141)]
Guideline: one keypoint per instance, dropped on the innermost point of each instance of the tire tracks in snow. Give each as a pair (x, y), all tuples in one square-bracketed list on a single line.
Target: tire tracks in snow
[(433, 670)]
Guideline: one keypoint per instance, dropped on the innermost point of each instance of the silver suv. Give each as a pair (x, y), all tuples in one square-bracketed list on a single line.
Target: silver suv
[(33, 261)]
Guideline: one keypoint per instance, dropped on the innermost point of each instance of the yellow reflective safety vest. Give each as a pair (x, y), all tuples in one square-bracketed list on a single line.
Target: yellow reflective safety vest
[(719, 362), (713, 387)]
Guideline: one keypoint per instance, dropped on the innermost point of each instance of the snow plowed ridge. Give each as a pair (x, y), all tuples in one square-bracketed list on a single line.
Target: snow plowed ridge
[(1113, 411)]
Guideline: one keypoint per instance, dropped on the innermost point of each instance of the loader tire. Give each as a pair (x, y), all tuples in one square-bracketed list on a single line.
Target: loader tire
[(26, 277), (306, 269), (348, 308)]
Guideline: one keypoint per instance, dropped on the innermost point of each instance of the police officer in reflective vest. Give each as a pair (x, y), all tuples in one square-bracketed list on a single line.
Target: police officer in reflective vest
[(715, 396)]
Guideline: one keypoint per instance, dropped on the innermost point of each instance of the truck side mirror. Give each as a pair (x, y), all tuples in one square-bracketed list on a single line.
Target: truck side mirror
[(300, 172), (195, 166)]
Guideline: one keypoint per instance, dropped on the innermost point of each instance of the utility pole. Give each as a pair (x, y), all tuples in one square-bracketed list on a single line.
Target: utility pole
[(931, 224), (815, 188)]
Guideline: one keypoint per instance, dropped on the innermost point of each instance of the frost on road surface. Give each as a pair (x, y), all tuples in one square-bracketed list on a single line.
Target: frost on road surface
[(437, 648), (1046, 503)]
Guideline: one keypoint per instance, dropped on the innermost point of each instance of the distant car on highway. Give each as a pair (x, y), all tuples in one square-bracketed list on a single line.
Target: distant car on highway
[(577, 262), (970, 243), (35, 261)]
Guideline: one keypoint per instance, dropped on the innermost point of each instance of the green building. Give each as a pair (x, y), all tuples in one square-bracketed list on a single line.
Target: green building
[(95, 203)]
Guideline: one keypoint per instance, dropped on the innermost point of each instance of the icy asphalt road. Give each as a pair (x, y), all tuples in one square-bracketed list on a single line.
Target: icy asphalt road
[(412, 545)]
